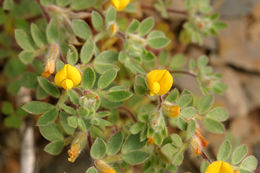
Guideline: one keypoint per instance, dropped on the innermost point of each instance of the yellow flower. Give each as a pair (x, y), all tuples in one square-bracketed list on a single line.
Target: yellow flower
[(159, 82), (68, 77), (120, 4), (219, 167)]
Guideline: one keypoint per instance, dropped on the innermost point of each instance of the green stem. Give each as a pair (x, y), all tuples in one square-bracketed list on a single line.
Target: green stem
[(62, 99)]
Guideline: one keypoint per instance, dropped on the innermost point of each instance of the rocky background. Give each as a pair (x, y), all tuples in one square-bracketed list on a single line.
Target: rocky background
[(235, 53)]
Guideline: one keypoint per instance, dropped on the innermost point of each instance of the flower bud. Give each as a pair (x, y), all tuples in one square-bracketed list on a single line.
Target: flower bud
[(159, 82), (172, 110), (89, 100), (77, 146), (68, 77), (112, 28), (219, 167), (50, 65), (103, 167), (198, 142), (150, 140), (120, 4)]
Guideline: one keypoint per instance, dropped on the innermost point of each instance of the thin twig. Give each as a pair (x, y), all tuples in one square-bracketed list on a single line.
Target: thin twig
[(185, 72), (204, 156), (160, 102), (89, 140), (168, 10), (130, 113), (46, 15)]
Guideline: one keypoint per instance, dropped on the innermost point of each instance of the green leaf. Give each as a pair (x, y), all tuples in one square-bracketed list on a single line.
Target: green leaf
[(81, 29), (98, 149), (137, 127), (51, 132), (115, 143), (63, 3), (178, 62), (13, 87), (119, 96), (38, 36), (145, 26), (82, 4), (133, 26), (92, 170), (205, 103), (158, 139), (88, 78), (82, 111), (14, 67), (202, 61), (54, 147), (224, 151), (213, 125), (190, 129), (52, 32), (219, 88), (176, 140), (29, 80), (87, 51), (59, 65), (204, 166), (23, 40), (169, 151), (110, 15), (249, 163), (158, 42), (184, 101), (8, 4), (135, 157), (68, 109), (36, 107), (48, 117), (64, 123), (72, 121), (132, 143), (163, 57), (219, 25), (189, 112), (26, 56), (238, 154), (7, 108), (40, 93), (174, 94), (48, 87), (244, 171), (103, 114), (103, 67), (82, 125), (97, 20), (107, 78), (72, 55), (218, 114), (148, 56), (74, 97), (13, 121), (192, 65)]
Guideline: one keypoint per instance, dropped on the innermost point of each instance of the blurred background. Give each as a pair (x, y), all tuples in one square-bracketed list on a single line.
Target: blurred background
[(235, 53)]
